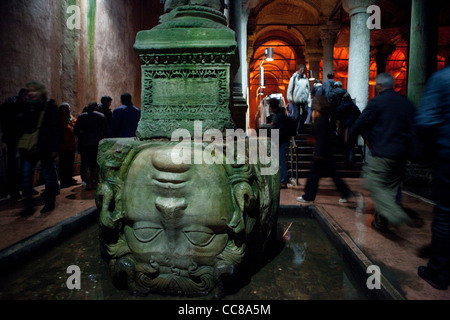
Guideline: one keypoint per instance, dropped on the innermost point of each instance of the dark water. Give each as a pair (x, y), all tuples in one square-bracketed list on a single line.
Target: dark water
[(307, 267)]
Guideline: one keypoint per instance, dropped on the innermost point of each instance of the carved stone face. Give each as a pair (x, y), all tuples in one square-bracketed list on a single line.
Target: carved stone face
[(176, 215), (178, 228)]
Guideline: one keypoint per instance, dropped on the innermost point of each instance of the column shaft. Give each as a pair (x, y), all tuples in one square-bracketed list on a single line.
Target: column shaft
[(359, 58), (314, 65), (423, 47), (238, 22), (328, 33)]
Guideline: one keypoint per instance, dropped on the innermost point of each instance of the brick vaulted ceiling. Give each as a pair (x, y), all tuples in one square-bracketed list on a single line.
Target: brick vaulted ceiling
[(289, 26), (292, 28), (297, 20), (297, 23)]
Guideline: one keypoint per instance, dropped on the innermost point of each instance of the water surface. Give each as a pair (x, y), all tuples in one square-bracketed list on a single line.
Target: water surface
[(307, 266)]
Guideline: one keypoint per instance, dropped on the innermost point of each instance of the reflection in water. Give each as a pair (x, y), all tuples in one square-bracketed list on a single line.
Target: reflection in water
[(360, 203), (306, 267), (299, 249), (299, 253)]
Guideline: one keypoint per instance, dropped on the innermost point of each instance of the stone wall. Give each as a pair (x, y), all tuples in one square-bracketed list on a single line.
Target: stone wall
[(79, 65)]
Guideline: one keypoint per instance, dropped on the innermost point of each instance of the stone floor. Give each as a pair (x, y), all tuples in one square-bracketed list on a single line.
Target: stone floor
[(397, 256), (15, 228)]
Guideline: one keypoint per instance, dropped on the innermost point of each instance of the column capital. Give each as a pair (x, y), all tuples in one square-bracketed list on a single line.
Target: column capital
[(357, 6), (329, 32), (314, 53)]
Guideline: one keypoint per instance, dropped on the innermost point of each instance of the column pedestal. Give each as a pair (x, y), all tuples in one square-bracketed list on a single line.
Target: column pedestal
[(186, 72)]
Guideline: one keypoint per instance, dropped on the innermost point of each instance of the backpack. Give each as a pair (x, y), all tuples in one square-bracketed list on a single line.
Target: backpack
[(28, 142)]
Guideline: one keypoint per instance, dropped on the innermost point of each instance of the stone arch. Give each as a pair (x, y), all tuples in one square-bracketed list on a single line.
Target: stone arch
[(305, 4), (276, 73)]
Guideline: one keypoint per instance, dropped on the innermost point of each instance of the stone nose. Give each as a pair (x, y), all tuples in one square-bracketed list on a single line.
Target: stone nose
[(171, 209), (163, 161)]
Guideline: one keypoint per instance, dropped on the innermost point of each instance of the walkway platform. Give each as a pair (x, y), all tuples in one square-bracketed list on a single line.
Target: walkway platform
[(398, 256)]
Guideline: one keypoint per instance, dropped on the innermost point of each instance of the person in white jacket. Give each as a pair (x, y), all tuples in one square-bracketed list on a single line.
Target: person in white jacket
[(299, 93)]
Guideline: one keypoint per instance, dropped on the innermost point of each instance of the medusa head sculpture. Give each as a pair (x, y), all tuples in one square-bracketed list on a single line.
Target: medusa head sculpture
[(181, 229)]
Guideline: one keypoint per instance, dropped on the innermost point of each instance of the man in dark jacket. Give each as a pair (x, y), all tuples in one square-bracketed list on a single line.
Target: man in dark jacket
[(279, 120), (105, 108), (125, 119), (335, 97), (346, 115), (323, 165), (433, 123), (91, 127), (387, 125), (328, 84)]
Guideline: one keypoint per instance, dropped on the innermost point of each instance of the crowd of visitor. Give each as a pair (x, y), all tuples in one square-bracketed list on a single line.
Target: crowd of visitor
[(37, 135)]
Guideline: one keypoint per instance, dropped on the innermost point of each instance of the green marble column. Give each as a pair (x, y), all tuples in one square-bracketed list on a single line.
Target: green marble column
[(422, 47)]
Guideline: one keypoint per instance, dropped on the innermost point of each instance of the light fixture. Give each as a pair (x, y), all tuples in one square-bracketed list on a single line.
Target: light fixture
[(261, 77), (311, 76), (269, 54)]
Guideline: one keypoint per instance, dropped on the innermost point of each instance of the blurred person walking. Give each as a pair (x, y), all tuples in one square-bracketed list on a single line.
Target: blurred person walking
[(387, 124), (68, 146), (433, 126), (40, 120), (11, 115), (323, 165)]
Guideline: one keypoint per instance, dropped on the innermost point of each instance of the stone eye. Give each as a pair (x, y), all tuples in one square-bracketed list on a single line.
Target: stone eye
[(199, 238), (146, 233)]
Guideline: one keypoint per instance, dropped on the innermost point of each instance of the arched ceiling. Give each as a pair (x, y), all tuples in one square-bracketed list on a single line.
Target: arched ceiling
[(297, 25), (279, 68), (285, 8), (302, 16), (296, 22)]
